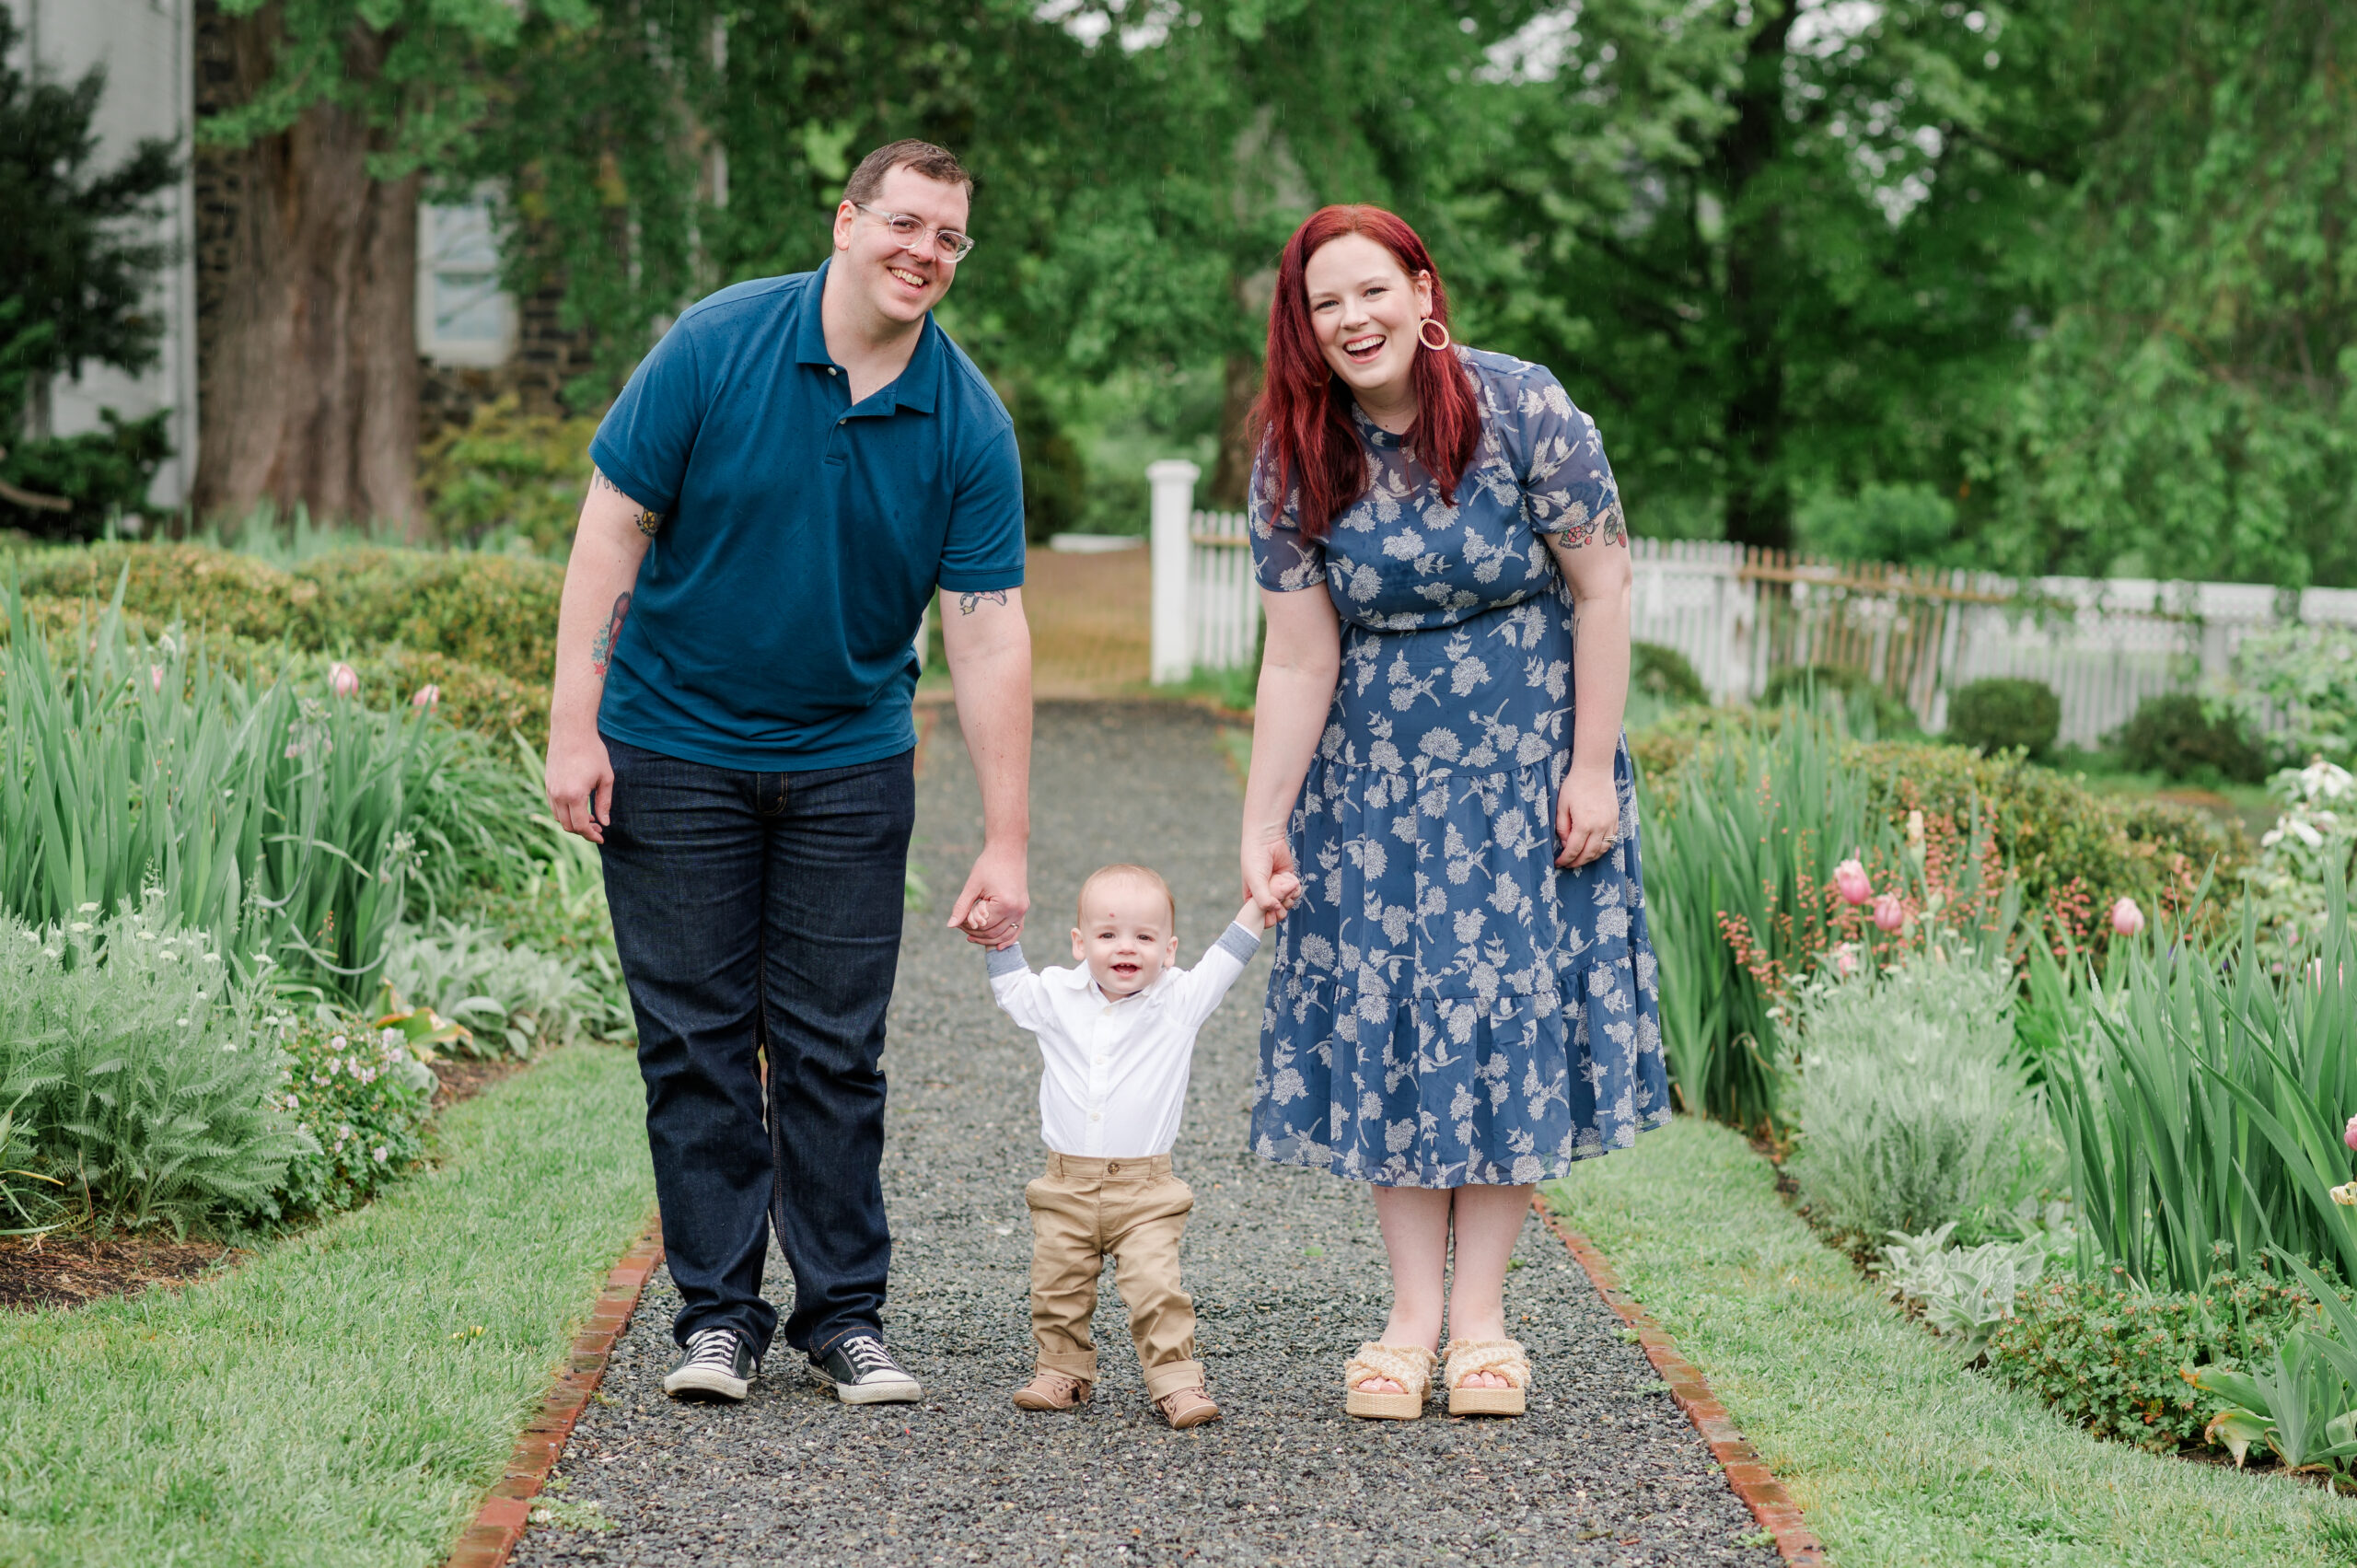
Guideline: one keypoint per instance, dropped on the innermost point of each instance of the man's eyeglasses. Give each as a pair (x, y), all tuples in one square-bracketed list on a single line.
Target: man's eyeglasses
[(947, 243)]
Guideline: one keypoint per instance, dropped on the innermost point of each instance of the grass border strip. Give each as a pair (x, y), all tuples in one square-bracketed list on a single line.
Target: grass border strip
[(499, 1524), (1746, 1472)]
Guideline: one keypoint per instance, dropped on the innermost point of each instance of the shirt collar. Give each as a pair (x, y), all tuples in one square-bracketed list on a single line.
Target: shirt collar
[(1079, 978), (919, 382)]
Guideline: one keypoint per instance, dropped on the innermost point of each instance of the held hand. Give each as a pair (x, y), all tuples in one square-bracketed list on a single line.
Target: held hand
[(1587, 816), (580, 783), (996, 897), (1271, 882)]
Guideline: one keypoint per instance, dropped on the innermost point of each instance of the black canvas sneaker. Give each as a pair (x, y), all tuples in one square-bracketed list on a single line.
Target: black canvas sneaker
[(863, 1373), (718, 1366)]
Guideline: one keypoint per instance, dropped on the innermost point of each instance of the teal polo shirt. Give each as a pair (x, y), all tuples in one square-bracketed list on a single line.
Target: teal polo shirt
[(772, 624)]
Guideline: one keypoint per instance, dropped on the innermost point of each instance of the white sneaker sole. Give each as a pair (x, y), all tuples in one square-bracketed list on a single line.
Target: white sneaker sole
[(695, 1381), (900, 1391)]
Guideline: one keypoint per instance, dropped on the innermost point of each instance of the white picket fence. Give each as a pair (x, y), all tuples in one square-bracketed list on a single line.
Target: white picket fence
[(1739, 614)]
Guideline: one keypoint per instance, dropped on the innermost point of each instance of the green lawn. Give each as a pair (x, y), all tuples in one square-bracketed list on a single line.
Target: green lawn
[(330, 1402), (1896, 1453)]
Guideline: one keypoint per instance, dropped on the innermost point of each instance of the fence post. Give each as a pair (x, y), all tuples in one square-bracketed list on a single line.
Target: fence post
[(1173, 483)]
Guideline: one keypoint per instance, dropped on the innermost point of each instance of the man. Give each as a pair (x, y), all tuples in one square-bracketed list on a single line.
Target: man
[(780, 487)]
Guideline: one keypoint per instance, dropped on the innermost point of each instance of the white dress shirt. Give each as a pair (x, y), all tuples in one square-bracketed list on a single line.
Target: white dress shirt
[(1115, 1084)]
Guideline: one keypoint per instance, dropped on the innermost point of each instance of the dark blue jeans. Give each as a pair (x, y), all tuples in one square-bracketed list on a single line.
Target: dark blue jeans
[(762, 912)]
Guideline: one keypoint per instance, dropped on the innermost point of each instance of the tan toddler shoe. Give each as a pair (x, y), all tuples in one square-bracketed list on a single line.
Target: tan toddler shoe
[(1052, 1391), (1183, 1408)]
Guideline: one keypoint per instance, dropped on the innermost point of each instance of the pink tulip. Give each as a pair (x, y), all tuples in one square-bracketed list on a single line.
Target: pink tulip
[(2348, 1133), (343, 680), (1845, 960), (2126, 918), (1889, 913), (427, 696), (156, 676), (1850, 880)]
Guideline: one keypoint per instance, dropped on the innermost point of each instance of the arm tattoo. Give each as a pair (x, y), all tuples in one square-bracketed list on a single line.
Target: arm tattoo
[(601, 650), (647, 522), (967, 603)]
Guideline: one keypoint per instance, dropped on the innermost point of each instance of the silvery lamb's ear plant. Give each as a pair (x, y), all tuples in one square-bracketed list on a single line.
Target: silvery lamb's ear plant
[(1964, 1292), (1914, 1109)]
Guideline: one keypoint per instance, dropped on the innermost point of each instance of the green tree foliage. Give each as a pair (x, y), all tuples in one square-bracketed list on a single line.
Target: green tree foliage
[(2193, 411), (2040, 284), (73, 282)]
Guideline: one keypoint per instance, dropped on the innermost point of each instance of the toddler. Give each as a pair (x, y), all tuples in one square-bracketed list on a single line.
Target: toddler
[(1117, 1035)]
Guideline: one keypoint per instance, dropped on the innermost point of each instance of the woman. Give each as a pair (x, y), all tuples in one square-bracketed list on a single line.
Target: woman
[(1463, 1001)]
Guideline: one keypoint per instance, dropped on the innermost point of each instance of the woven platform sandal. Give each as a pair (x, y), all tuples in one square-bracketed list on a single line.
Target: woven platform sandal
[(1502, 1357), (1410, 1366)]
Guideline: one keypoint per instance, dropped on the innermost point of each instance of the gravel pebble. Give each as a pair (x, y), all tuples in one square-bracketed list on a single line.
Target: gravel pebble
[(1285, 1265)]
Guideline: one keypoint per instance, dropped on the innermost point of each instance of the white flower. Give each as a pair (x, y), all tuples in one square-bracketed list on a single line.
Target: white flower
[(79, 925), (212, 957), (180, 1023), (87, 908), (381, 1153), (337, 1044), (147, 937)]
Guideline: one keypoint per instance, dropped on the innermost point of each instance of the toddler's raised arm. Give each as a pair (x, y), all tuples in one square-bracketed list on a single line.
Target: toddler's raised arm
[(1013, 986)]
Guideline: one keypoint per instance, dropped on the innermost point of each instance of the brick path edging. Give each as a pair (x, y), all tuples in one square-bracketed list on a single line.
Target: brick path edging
[(1746, 1472), (499, 1524)]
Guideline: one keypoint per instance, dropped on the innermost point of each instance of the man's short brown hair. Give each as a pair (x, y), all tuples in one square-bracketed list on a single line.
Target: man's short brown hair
[(923, 157)]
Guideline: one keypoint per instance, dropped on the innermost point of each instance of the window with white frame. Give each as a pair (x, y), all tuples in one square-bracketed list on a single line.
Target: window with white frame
[(463, 316)]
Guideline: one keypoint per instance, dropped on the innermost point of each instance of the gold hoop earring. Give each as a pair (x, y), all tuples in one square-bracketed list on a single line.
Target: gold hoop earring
[(1444, 338)]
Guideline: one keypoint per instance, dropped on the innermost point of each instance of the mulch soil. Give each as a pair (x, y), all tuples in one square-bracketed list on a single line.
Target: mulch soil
[(70, 1269), (1285, 1263)]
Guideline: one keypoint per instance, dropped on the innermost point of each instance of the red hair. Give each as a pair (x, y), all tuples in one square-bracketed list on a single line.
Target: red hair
[(1303, 418)]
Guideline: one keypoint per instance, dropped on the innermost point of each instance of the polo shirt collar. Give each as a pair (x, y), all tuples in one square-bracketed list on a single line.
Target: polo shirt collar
[(919, 382), (1081, 978)]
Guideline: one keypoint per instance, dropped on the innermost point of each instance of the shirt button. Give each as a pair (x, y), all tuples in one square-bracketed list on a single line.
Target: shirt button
[(1096, 1116), (833, 371), (846, 420), (1102, 1060), (1109, 1009)]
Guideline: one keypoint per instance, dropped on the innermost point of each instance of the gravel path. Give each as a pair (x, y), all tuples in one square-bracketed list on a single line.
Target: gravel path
[(1285, 1263)]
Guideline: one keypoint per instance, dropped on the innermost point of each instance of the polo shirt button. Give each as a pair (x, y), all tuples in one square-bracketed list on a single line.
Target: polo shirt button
[(1109, 1009), (1102, 1060), (1096, 1116)]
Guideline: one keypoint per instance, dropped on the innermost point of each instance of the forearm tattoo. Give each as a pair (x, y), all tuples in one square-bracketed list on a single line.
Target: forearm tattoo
[(601, 648), (647, 522), (968, 603)]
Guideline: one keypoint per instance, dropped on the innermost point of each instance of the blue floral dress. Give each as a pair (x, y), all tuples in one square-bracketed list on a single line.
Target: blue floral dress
[(1448, 1007)]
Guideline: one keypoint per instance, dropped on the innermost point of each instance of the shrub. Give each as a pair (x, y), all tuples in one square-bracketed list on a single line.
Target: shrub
[(497, 612), (136, 1081), (2113, 1356), (2312, 846), (360, 1099), (1869, 707), (506, 474), (2004, 711), (1913, 1110), (2073, 852), (1664, 674), (212, 590), (2178, 734), (2297, 685)]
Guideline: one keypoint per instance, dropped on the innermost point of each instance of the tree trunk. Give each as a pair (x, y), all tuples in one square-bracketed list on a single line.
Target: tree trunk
[(309, 393), (1759, 494), (1232, 473)]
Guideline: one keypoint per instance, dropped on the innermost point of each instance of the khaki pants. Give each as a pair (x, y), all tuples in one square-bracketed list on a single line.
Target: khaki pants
[(1134, 1211)]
